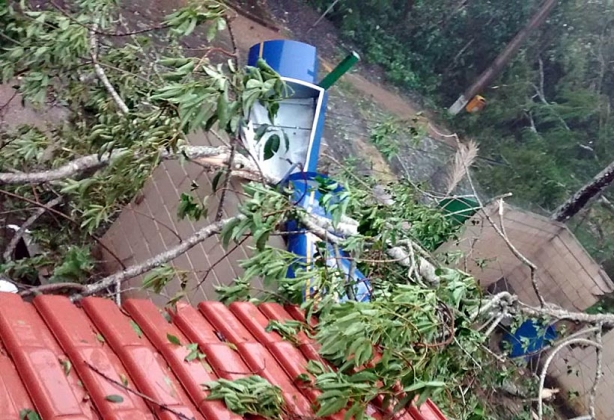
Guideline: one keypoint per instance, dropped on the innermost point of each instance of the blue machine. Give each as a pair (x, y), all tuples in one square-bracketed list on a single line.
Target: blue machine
[(301, 116), (291, 59), (300, 119)]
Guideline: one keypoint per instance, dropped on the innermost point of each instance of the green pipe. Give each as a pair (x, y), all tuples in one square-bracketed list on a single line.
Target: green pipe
[(342, 68)]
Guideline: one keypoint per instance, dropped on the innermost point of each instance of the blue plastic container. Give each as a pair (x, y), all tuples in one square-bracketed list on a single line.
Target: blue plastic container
[(291, 59), (303, 243), (529, 338)]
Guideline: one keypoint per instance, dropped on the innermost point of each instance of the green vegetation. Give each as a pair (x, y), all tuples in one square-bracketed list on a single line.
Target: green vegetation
[(548, 119)]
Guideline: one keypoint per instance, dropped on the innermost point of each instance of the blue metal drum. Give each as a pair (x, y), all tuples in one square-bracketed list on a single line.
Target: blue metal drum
[(292, 59)]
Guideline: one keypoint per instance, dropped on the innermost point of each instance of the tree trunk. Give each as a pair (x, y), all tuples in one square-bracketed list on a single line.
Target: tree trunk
[(584, 195), (504, 57)]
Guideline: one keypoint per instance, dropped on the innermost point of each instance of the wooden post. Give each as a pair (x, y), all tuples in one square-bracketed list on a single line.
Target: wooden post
[(504, 57)]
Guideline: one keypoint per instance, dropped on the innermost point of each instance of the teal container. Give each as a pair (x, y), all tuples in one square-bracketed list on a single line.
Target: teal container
[(460, 209)]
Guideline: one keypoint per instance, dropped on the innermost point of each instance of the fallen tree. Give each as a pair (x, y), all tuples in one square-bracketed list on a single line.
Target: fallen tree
[(133, 104)]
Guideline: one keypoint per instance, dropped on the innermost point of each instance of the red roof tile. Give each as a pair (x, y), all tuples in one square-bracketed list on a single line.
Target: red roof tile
[(64, 361)]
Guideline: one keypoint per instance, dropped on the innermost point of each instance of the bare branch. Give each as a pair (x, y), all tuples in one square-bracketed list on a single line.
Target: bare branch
[(542, 376), (324, 229), (8, 252), (52, 288), (598, 372), (507, 301), (503, 234), (155, 261), (100, 71), (500, 230), (206, 155), (147, 398)]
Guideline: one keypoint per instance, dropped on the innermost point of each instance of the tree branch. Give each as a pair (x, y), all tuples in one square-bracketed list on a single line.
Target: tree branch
[(100, 71), (598, 372), (501, 232), (206, 155), (324, 229), (155, 261), (162, 406), (532, 267), (8, 252), (542, 376), (52, 287), (507, 301), (65, 217)]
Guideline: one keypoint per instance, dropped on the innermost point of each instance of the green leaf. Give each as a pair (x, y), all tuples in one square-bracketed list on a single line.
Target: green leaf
[(421, 385), (100, 338), (332, 406), (66, 365), (114, 398), (222, 111), (217, 178), (271, 146), (260, 131), (28, 414), (353, 411), (173, 339), (136, 328), (123, 379), (211, 32), (193, 354)]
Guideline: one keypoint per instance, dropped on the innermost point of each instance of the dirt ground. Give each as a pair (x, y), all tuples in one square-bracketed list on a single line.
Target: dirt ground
[(359, 101)]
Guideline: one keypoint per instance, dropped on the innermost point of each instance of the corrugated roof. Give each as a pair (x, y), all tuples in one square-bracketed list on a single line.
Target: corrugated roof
[(64, 361)]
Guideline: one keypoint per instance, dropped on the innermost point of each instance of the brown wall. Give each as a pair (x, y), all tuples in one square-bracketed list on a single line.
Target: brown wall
[(574, 369), (566, 274)]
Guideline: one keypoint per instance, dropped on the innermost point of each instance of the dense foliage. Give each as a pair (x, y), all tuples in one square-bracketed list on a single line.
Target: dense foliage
[(548, 120), (49, 57), (422, 338)]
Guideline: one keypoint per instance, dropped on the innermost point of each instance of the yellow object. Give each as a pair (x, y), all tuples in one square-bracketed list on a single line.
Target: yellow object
[(476, 104)]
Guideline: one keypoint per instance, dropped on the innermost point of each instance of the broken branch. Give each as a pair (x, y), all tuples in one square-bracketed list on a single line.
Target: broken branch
[(8, 253), (100, 71), (205, 155), (155, 261)]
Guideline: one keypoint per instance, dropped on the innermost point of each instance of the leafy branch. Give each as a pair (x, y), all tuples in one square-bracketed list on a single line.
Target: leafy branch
[(250, 395)]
